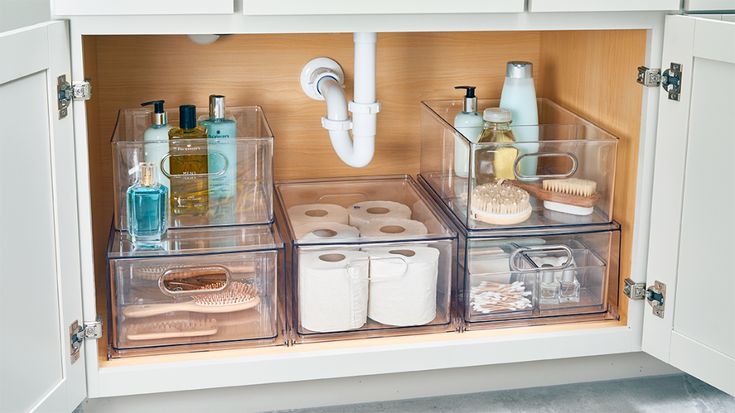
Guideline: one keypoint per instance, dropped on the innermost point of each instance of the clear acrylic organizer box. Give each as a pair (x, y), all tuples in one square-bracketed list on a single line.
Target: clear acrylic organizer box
[(566, 146), (204, 289), (368, 257), (251, 199), (500, 274)]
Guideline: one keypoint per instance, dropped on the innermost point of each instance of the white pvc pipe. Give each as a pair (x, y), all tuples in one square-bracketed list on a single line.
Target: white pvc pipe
[(358, 151)]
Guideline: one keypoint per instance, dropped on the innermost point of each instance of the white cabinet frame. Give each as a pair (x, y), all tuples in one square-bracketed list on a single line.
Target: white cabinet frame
[(377, 356), (140, 7), (600, 5)]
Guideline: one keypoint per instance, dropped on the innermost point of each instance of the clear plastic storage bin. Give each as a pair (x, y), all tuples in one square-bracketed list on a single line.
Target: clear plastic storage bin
[(205, 289), (243, 175), (369, 257), (561, 147), (536, 279)]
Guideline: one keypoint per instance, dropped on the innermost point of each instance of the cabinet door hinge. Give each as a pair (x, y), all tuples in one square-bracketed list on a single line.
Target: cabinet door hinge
[(77, 334), (655, 295), (670, 79), (649, 77), (66, 92)]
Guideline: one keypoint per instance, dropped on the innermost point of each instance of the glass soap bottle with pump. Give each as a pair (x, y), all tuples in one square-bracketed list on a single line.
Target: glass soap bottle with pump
[(155, 138), (146, 208), (222, 153), (189, 169), (469, 123), (495, 162)]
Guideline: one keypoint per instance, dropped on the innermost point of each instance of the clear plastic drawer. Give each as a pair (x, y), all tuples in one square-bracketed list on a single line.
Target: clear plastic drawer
[(205, 289), (533, 279)]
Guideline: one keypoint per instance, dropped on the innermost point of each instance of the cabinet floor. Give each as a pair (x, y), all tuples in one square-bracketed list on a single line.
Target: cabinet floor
[(680, 394)]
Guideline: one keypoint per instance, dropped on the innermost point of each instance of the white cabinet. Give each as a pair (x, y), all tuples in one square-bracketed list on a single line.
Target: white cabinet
[(692, 223), (690, 241), (710, 5), (40, 297), (601, 5), (141, 7), (337, 7)]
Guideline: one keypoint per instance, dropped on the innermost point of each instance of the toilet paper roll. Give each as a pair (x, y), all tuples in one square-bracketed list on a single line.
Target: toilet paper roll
[(403, 283), (393, 228), (362, 213), (333, 290), (299, 214), (325, 232)]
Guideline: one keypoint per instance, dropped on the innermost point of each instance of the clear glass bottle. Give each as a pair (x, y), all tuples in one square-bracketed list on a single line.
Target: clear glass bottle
[(569, 286), (222, 153), (549, 288), (146, 208), (188, 166), (495, 162)]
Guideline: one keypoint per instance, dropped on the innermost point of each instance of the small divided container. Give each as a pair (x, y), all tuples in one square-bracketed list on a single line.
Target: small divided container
[(205, 289), (235, 190), (369, 257), (562, 146)]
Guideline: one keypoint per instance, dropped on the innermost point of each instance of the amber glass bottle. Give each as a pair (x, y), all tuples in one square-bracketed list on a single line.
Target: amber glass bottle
[(494, 162)]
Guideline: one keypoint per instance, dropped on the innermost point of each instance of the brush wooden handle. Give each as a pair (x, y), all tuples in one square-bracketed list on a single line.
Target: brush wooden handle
[(148, 310), (173, 334), (540, 193)]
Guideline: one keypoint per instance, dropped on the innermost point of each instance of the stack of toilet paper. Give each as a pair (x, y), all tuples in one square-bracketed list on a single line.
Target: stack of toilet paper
[(340, 288)]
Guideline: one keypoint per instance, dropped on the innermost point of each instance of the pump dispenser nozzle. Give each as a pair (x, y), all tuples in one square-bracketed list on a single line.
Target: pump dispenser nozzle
[(159, 114), (470, 100)]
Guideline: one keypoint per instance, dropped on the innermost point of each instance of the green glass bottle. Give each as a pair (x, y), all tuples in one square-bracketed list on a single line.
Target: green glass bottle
[(188, 165)]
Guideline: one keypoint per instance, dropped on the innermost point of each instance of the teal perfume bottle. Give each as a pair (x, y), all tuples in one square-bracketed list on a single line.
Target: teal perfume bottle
[(146, 208), (222, 156)]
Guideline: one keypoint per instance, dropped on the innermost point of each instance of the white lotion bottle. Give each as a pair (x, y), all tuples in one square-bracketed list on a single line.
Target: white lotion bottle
[(519, 97), (155, 138), (469, 123)]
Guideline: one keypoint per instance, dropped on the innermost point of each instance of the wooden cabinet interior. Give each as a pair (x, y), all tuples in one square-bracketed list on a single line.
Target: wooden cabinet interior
[(589, 72)]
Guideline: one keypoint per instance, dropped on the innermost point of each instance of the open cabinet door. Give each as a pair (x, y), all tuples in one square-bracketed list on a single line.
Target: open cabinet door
[(692, 240), (40, 279)]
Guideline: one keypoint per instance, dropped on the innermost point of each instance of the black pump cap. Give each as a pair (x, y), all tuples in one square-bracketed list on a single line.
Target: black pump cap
[(157, 105), (187, 116), (470, 90)]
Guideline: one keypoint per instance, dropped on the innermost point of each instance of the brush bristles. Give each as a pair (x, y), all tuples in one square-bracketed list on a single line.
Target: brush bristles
[(170, 325), (571, 186), (236, 293), (496, 198)]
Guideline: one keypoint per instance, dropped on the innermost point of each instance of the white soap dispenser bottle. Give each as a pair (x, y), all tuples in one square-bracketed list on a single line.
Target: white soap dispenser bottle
[(155, 138), (519, 97), (469, 123)]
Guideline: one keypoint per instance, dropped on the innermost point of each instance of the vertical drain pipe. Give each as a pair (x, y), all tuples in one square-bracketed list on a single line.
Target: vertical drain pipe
[(322, 79)]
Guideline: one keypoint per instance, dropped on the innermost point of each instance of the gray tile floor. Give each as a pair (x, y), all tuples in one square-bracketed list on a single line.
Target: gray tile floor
[(670, 394)]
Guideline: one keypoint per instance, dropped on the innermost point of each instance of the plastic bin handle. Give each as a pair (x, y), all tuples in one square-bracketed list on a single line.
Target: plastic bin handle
[(192, 280), (402, 260), (545, 248), (572, 170), (225, 166)]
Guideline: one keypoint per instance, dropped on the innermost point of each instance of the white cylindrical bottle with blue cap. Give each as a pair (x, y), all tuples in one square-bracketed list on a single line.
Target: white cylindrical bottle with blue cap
[(519, 97)]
